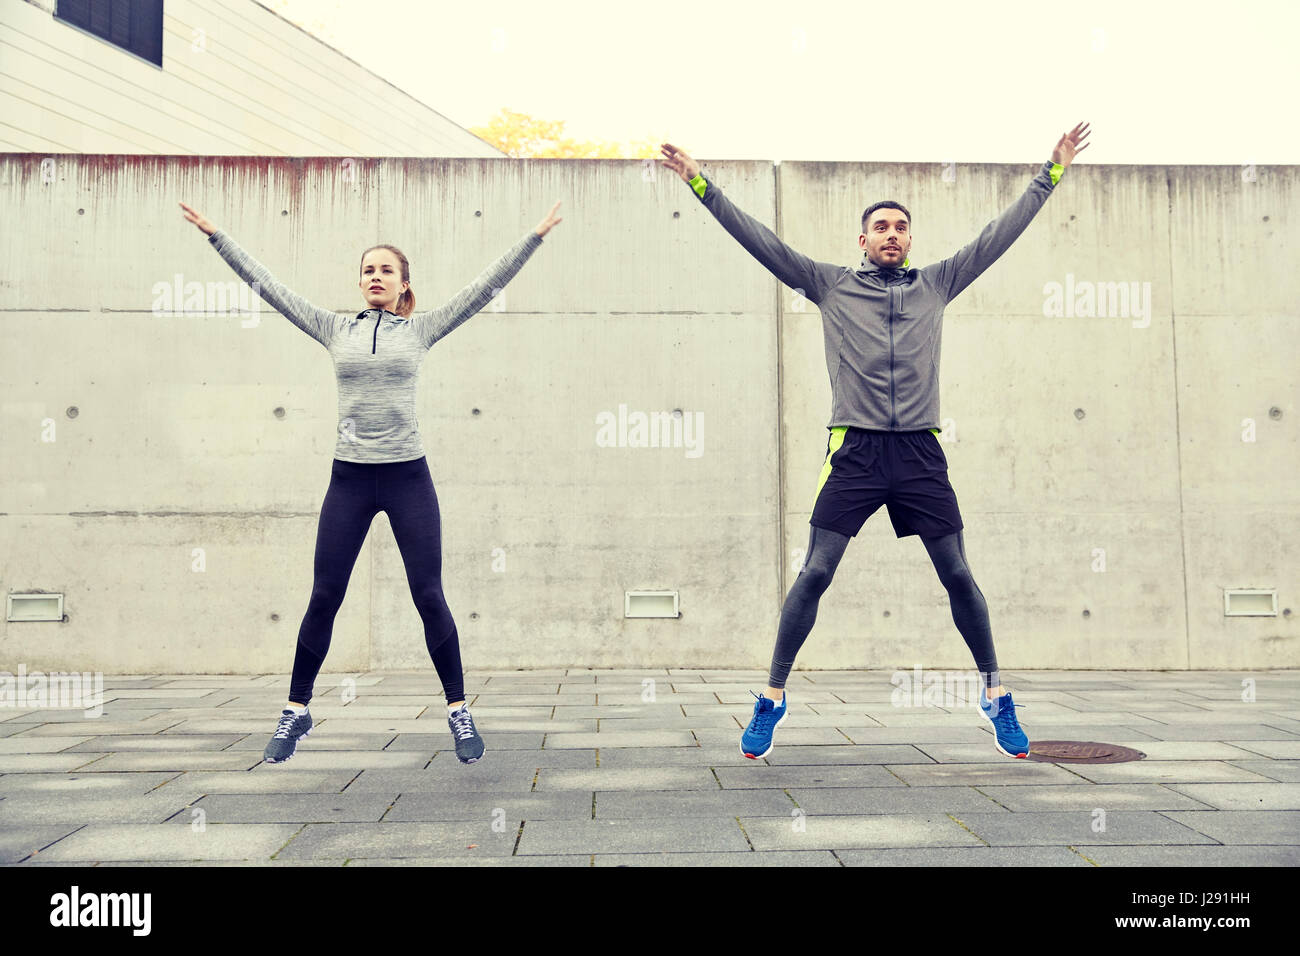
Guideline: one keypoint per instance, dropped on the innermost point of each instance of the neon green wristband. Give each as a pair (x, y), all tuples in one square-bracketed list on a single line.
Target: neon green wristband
[(699, 184), (1056, 171)]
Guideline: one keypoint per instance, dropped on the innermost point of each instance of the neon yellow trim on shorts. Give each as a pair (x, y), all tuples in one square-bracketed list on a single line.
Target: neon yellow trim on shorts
[(935, 430), (837, 439)]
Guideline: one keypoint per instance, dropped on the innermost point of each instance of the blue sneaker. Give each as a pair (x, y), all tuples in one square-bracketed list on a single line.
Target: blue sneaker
[(284, 742), (469, 745), (756, 741), (1007, 735)]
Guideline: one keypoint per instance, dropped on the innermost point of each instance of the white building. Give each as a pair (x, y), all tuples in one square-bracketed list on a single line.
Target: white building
[(198, 77)]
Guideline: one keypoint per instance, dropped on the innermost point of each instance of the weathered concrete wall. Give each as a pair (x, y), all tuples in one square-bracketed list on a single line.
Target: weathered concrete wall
[(208, 436)]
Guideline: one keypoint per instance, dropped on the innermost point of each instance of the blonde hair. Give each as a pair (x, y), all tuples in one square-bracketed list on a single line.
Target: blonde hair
[(405, 301)]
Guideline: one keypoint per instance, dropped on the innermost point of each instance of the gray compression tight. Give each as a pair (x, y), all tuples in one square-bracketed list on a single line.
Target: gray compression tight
[(825, 548)]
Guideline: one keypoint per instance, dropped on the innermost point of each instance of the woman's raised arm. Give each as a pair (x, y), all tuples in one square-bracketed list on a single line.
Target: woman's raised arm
[(316, 322), (437, 324)]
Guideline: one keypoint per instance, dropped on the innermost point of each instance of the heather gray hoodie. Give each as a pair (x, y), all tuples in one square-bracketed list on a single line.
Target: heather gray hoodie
[(882, 326), (377, 354)]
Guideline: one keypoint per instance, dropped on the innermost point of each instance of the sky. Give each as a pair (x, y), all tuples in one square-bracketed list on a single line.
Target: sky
[(1188, 82)]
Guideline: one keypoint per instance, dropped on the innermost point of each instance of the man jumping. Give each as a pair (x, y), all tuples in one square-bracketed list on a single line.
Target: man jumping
[(882, 327)]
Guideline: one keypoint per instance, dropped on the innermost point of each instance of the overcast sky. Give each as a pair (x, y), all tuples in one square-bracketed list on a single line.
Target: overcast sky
[(925, 80)]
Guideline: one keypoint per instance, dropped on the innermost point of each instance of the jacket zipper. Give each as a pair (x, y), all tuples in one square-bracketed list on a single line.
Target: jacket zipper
[(893, 418), (376, 339)]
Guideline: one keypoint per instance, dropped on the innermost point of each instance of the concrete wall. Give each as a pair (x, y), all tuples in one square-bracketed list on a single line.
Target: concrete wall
[(1071, 440), (236, 79)]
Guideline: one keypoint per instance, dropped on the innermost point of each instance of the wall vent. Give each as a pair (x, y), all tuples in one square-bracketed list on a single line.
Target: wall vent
[(650, 604)]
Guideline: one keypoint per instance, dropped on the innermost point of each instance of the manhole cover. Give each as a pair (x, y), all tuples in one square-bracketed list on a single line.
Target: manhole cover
[(1081, 751)]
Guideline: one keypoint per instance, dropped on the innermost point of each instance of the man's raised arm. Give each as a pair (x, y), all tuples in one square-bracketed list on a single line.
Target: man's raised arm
[(807, 276), (954, 274)]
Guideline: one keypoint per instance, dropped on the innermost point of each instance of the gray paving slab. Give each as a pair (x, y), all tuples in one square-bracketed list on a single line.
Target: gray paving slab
[(1089, 796), (1266, 827), (75, 809), (372, 743), (452, 778), (615, 738), (530, 700), (1193, 856), (622, 804), (264, 779), (1240, 796), (630, 757), (794, 737), (309, 758), (45, 762), (164, 695), (350, 807), (1154, 749), (534, 759), (126, 743), (764, 858), (466, 838), (964, 734), (16, 728), (38, 745), (966, 856), (628, 778), (488, 805), (58, 784), (818, 801), (1275, 749), (1285, 771), (1166, 771), (455, 861), (1080, 828), (164, 841), (714, 833), (757, 775), (100, 727), (1006, 771), (21, 841), (674, 723), (166, 760), (850, 755), (492, 742), (847, 832), (1244, 732)]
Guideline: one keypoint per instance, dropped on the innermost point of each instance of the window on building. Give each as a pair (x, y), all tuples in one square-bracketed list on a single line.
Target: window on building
[(134, 25)]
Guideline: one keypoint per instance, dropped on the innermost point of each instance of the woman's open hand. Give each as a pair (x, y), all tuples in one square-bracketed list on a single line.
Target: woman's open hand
[(551, 219), (197, 218)]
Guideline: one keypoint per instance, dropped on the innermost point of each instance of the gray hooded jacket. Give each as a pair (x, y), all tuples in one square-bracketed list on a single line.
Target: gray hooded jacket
[(882, 326)]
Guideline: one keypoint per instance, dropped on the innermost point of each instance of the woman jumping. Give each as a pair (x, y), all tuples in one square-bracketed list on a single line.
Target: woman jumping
[(379, 462)]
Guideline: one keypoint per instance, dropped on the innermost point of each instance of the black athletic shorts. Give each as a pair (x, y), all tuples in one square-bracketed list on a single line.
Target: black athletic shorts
[(906, 471)]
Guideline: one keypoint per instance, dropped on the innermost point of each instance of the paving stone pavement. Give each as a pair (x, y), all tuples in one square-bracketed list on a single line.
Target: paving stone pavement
[(627, 768)]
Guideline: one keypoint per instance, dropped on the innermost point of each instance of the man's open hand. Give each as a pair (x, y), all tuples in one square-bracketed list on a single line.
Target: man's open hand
[(679, 162), (1067, 147)]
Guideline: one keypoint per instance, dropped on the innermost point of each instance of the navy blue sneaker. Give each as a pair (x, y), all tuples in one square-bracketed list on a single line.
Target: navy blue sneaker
[(284, 742), (1007, 735), (469, 745), (756, 741)]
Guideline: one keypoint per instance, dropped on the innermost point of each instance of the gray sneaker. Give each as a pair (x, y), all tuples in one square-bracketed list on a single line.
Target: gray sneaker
[(285, 740), (469, 745)]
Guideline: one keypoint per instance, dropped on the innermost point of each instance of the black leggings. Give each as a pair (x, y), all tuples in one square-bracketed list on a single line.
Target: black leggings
[(825, 548), (357, 492)]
